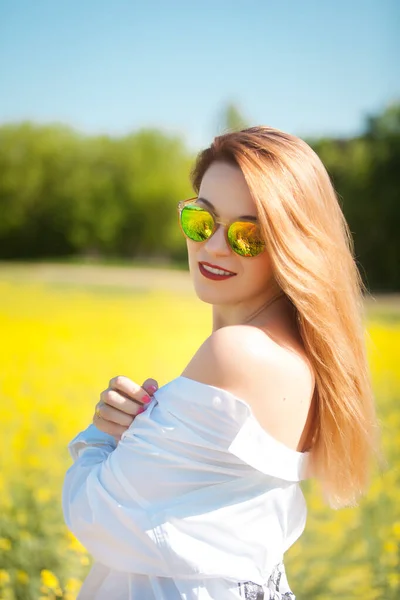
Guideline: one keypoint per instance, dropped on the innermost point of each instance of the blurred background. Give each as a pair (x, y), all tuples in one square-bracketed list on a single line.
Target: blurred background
[(103, 107)]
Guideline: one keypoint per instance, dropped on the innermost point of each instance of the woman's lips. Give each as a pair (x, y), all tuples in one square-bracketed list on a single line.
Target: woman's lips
[(214, 276)]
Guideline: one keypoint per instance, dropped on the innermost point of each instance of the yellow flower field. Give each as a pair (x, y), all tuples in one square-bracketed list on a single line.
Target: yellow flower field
[(62, 344)]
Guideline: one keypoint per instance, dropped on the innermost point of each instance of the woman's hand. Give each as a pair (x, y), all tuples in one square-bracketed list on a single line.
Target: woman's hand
[(120, 403)]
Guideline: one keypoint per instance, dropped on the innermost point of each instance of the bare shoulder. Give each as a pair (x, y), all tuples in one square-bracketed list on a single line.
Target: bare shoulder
[(275, 381)]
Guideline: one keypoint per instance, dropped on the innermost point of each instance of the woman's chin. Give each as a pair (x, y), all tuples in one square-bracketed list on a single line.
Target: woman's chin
[(203, 294), (208, 292)]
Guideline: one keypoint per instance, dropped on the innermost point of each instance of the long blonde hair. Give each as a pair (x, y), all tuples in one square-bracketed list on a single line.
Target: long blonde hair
[(312, 253)]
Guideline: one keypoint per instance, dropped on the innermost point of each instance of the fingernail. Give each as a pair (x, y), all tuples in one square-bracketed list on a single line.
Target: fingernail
[(140, 410), (152, 388), (146, 399)]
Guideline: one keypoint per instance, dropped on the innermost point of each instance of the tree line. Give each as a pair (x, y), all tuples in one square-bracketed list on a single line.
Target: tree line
[(64, 194)]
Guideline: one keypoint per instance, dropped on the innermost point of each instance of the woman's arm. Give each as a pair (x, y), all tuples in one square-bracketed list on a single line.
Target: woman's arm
[(92, 491), (101, 509)]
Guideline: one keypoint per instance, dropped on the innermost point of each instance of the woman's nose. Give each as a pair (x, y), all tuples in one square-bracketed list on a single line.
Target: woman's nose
[(217, 244)]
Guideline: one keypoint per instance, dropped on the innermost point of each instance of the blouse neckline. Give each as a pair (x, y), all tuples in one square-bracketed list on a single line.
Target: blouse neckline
[(289, 451)]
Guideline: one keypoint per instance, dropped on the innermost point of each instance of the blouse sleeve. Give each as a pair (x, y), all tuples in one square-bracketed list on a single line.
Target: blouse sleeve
[(99, 509), (88, 439)]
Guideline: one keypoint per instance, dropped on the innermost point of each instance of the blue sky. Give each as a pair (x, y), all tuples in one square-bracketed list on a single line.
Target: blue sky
[(310, 67)]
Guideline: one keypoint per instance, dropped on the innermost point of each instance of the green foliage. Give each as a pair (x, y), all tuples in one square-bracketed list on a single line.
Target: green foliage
[(232, 119), (366, 173), (64, 194)]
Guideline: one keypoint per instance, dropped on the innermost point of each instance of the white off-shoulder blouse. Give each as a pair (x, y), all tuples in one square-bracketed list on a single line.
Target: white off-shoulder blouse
[(197, 501)]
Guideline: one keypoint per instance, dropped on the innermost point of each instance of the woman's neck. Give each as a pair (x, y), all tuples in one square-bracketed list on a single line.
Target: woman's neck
[(246, 314)]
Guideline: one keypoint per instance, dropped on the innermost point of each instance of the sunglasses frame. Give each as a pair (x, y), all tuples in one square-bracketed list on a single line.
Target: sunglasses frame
[(217, 221)]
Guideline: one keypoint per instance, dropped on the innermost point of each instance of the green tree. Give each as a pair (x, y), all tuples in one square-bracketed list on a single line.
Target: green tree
[(64, 194), (231, 119)]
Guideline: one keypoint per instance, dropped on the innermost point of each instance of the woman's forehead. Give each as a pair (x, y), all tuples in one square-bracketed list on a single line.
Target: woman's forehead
[(224, 186)]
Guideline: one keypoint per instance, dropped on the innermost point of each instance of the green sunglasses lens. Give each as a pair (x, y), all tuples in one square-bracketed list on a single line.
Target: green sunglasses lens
[(197, 223), (245, 238)]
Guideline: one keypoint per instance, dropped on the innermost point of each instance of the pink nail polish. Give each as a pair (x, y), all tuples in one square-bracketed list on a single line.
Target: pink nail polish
[(140, 410), (146, 399), (152, 388)]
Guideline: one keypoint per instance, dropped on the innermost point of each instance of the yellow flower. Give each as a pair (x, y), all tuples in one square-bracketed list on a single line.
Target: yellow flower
[(75, 545), (4, 577), (33, 460), (73, 585), (22, 577), (390, 547), (45, 440), (50, 592), (5, 544), (43, 495), (396, 530), (49, 580)]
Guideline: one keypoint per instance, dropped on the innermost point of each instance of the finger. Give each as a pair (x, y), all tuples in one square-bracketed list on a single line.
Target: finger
[(150, 386), (121, 402), (109, 413), (107, 427), (126, 386), (129, 388)]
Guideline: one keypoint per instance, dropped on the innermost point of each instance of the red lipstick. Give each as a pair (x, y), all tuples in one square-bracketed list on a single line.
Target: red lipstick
[(215, 276)]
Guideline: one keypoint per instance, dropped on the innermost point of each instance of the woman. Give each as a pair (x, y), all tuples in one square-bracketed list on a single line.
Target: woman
[(195, 491)]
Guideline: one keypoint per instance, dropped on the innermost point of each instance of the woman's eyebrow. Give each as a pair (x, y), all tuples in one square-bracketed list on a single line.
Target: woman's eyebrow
[(200, 199)]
